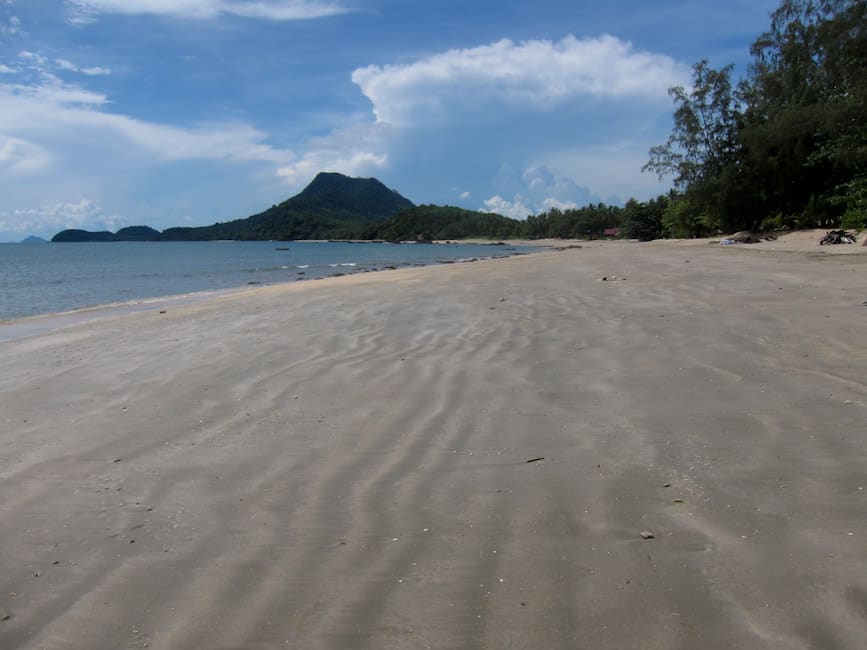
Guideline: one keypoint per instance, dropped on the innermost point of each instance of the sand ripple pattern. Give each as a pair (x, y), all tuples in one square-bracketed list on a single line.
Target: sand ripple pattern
[(344, 465)]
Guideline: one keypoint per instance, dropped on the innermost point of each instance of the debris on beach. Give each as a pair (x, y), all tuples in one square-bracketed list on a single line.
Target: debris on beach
[(747, 237), (611, 278), (536, 460), (837, 237), (647, 534)]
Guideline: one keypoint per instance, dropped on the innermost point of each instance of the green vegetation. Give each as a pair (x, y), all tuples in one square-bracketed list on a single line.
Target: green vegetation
[(333, 206), (786, 146), (429, 222), (75, 235)]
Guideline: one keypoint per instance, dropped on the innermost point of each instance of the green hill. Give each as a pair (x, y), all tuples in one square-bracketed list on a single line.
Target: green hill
[(76, 235), (333, 206)]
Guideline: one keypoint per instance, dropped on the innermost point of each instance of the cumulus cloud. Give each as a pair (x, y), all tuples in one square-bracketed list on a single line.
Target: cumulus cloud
[(537, 189), (534, 74), (50, 218), (551, 203), (516, 209), (84, 11), (552, 191)]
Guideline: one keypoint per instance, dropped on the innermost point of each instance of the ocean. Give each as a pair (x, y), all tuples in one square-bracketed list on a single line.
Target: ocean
[(38, 279)]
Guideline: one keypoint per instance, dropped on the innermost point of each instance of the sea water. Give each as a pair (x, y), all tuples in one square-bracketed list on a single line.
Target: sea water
[(40, 279)]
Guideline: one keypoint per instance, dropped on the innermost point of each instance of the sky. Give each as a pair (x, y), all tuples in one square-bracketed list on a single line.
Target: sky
[(188, 112)]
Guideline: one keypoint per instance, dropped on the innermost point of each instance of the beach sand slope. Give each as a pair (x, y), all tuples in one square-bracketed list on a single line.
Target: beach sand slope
[(344, 463)]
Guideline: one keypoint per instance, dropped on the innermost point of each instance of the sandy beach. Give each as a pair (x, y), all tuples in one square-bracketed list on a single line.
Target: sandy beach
[(345, 463)]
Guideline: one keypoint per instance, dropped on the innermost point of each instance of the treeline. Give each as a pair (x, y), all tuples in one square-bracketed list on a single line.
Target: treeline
[(786, 146), (637, 220), (428, 222)]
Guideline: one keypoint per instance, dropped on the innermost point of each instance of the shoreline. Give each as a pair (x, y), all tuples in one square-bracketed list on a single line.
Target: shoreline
[(796, 242), (518, 452), (18, 327)]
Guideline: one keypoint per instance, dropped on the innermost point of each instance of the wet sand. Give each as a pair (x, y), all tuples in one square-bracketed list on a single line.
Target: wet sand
[(343, 464)]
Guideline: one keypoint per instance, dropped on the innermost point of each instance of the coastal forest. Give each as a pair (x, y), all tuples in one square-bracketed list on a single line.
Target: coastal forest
[(785, 146)]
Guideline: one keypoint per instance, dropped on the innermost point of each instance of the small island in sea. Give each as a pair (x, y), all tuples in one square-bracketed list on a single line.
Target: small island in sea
[(332, 206)]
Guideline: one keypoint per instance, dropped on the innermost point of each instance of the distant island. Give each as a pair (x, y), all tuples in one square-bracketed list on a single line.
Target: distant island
[(335, 206), (33, 239), (332, 206)]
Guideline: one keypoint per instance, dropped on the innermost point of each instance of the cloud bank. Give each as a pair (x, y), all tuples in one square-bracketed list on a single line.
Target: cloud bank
[(536, 74)]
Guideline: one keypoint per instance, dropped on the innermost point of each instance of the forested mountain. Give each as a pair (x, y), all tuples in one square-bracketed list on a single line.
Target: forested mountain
[(332, 206)]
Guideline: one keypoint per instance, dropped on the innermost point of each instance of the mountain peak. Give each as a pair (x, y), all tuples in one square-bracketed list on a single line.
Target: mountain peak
[(335, 182)]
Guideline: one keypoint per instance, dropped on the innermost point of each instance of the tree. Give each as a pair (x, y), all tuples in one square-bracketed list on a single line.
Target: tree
[(644, 220), (703, 149), (805, 126), (789, 145), (704, 137)]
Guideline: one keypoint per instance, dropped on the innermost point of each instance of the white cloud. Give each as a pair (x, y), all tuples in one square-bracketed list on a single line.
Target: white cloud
[(95, 71), (52, 92), (53, 217), (514, 209), (11, 27), (52, 109), (5, 69), (84, 11), (551, 190), (520, 207), (63, 64), (464, 195), (21, 157), (537, 189), (551, 202), (531, 74)]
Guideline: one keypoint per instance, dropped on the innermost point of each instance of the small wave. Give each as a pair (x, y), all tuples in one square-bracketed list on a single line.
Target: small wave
[(303, 266), (348, 264)]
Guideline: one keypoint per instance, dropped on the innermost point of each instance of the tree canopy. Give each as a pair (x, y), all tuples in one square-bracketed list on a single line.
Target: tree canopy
[(787, 145)]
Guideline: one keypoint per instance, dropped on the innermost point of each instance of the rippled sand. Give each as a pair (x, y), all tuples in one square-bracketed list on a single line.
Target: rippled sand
[(343, 464)]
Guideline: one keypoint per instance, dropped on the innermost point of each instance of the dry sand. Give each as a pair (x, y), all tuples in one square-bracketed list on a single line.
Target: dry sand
[(343, 464)]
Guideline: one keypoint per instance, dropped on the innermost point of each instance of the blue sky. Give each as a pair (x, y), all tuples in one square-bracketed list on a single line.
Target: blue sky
[(187, 112)]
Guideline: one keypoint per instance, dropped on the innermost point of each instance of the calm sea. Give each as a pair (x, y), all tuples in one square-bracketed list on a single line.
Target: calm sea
[(47, 278)]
